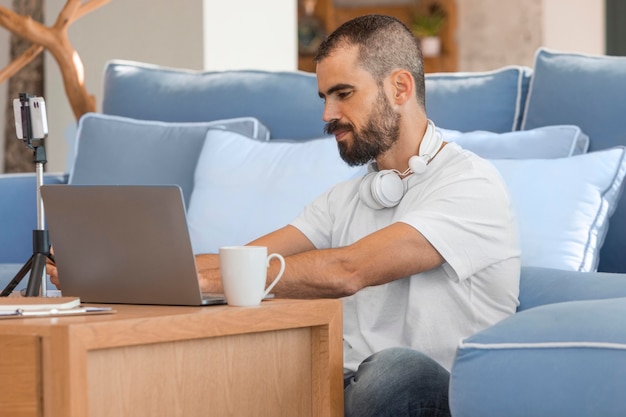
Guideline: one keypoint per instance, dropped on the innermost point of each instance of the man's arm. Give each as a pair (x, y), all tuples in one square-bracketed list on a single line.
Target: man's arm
[(391, 253), (287, 241)]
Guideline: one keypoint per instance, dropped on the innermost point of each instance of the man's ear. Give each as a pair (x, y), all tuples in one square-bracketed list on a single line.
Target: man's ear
[(403, 86)]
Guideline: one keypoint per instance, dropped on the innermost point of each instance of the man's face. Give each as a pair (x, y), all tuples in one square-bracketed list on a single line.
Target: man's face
[(356, 109)]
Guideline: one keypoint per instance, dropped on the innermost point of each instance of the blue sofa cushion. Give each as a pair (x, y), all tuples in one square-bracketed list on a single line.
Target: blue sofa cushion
[(468, 101), (564, 359), (588, 91), (540, 286), (18, 211), (286, 102), (239, 196), (563, 206), (118, 150), (543, 142)]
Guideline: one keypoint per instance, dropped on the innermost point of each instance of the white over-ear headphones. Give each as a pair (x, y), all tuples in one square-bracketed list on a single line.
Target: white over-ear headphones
[(385, 189)]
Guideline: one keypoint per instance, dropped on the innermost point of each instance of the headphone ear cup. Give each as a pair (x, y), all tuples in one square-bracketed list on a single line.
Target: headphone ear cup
[(365, 191), (418, 164), (382, 189)]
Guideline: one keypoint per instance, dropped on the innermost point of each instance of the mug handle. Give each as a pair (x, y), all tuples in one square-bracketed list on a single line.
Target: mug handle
[(280, 273)]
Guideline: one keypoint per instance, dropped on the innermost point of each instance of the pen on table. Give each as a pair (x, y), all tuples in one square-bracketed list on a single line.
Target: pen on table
[(53, 311)]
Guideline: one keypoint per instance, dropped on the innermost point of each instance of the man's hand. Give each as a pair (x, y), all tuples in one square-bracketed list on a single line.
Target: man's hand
[(209, 273), (51, 269)]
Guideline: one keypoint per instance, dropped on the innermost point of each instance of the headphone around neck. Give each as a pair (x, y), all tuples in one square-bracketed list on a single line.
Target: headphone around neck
[(385, 189)]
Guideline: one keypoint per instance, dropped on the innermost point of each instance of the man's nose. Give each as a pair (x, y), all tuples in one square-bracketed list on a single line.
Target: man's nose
[(330, 113)]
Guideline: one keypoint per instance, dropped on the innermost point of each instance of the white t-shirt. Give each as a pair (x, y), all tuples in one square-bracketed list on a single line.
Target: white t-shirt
[(460, 204)]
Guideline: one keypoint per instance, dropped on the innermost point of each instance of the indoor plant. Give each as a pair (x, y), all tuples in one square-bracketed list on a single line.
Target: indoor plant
[(426, 27)]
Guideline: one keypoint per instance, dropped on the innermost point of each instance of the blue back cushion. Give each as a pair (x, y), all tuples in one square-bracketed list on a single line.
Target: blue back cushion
[(563, 205), (18, 211), (118, 150), (588, 91), (286, 102), (468, 101), (246, 188), (543, 142)]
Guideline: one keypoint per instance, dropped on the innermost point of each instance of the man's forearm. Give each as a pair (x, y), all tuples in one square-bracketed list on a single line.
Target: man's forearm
[(324, 273), (394, 252)]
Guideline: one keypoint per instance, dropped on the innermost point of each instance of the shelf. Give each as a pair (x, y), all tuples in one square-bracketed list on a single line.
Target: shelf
[(332, 16)]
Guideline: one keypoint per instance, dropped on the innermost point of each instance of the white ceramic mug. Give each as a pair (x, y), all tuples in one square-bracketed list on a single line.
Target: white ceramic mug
[(244, 273)]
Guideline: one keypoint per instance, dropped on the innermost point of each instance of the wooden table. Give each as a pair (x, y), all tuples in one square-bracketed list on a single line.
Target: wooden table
[(283, 358)]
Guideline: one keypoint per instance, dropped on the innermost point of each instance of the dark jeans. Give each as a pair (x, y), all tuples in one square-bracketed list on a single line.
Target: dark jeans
[(397, 382)]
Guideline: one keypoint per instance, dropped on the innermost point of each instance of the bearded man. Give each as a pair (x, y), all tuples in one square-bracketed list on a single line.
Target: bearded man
[(422, 250)]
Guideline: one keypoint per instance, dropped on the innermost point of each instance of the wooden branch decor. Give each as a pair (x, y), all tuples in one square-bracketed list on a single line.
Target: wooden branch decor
[(56, 41)]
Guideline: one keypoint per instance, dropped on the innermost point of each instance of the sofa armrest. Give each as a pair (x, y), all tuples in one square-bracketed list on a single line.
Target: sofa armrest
[(18, 214), (561, 359), (539, 286)]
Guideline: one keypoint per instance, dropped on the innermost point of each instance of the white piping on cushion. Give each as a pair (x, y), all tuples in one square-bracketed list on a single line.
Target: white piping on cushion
[(543, 345), (518, 100)]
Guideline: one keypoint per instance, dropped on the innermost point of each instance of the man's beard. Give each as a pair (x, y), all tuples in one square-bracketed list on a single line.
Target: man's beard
[(380, 133)]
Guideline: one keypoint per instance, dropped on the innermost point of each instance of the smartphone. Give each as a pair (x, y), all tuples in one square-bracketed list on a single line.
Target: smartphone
[(30, 110)]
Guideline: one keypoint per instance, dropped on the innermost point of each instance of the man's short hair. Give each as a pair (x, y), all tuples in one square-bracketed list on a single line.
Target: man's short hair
[(385, 44)]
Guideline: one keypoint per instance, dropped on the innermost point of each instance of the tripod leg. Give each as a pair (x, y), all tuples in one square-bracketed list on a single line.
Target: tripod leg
[(36, 275), (17, 278)]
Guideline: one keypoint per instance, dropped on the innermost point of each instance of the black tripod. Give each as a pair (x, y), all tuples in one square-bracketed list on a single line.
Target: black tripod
[(33, 138)]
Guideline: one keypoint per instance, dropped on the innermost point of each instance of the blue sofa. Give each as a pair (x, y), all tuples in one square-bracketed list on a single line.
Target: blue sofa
[(248, 151)]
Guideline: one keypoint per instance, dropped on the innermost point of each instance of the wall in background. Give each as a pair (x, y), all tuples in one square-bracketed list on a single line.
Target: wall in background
[(264, 37), (495, 33), (574, 25)]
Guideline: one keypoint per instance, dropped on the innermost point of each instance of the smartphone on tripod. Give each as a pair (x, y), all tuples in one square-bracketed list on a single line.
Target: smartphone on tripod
[(31, 127), (31, 122)]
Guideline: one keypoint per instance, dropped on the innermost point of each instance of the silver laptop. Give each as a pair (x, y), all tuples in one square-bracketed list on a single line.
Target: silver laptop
[(123, 244)]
